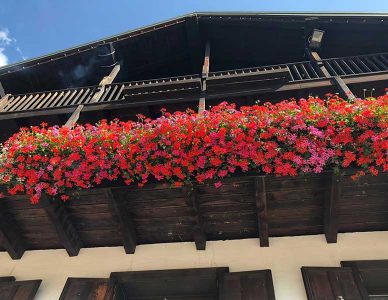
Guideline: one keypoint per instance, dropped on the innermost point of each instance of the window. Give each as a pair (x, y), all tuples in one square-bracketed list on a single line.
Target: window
[(355, 280), (184, 284), (371, 276), (18, 290)]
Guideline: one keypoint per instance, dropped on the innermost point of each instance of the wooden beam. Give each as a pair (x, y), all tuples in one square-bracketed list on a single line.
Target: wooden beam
[(205, 74), (74, 116), (96, 97), (10, 234), (344, 89), (337, 80), (332, 195), (67, 233), (261, 206), (199, 234), (206, 62), (314, 56), (127, 227)]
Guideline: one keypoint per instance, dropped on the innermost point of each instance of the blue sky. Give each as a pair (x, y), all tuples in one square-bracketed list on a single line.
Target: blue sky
[(31, 28)]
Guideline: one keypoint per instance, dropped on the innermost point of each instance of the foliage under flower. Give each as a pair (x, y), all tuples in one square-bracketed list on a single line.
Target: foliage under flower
[(285, 139)]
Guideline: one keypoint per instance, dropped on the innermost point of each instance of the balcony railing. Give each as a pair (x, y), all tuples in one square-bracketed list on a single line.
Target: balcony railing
[(184, 86)]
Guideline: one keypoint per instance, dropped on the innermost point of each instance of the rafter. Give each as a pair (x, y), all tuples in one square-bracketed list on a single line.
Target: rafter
[(199, 234), (332, 195), (127, 227), (261, 206), (67, 233)]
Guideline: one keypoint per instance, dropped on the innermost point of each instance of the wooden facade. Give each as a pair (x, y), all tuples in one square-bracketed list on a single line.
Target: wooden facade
[(201, 60), (243, 207)]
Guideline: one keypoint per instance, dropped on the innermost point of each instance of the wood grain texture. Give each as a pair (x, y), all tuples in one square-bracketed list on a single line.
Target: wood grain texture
[(162, 214)]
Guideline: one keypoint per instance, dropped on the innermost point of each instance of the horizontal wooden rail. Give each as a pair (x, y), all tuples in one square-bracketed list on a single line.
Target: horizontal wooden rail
[(185, 87)]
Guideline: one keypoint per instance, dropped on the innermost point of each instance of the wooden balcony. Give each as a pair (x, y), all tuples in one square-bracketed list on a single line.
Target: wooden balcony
[(230, 83), (248, 206)]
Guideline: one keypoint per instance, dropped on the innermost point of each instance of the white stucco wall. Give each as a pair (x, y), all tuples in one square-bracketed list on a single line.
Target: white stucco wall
[(284, 257)]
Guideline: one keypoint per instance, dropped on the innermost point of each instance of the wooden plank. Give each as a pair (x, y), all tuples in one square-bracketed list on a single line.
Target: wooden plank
[(7, 279), (261, 206), (197, 283), (199, 234), (10, 234), (64, 227), (332, 195), (371, 276), (24, 290), (330, 283), (127, 227), (86, 289), (247, 285), (4, 101)]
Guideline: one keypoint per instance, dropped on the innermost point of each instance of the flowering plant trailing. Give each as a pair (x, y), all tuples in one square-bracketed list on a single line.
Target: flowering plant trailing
[(285, 139)]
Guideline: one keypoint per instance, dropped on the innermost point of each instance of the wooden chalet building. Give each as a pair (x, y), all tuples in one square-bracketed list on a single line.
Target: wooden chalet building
[(256, 237)]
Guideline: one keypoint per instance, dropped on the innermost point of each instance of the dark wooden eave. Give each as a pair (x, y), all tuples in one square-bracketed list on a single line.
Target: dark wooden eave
[(243, 207)]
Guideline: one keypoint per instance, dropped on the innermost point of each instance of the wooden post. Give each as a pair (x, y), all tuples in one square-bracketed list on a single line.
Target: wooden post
[(261, 206), (96, 97), (199, 234), (67, 233), (205, 73), (128, 230), (332, 195), (337, 80)]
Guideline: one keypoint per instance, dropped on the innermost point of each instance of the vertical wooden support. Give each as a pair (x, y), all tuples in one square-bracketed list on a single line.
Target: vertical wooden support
[(128, 230), (67, 233), (332, 195), (205, 73), (261, 206), (199, 234), (10, 235), (96, 97)]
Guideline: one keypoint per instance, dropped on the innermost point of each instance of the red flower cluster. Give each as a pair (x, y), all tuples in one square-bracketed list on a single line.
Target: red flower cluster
[(285, 139)]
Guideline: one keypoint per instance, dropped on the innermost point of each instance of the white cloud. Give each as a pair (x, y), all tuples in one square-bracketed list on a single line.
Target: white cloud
[(3, 58), (4, 37)]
